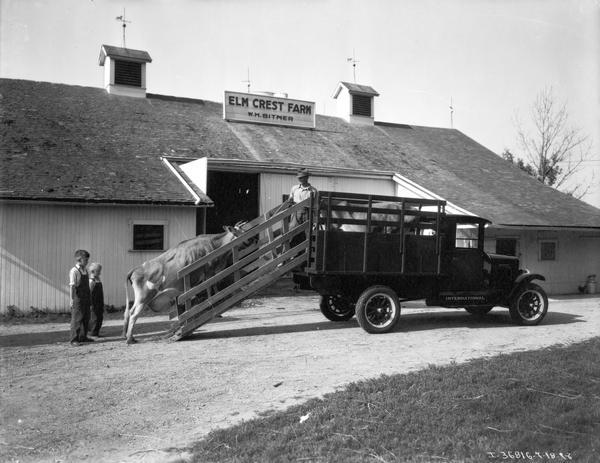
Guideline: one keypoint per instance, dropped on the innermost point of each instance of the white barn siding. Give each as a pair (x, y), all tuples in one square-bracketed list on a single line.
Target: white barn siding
[(37, 243), (273, 186), (577, 255)]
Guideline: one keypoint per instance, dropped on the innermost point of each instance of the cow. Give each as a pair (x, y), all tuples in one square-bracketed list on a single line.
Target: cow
[(155, 283), (375, 217)]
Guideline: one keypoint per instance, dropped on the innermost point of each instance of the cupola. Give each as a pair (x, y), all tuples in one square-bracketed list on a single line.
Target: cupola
[(124, 70), (355, 103)]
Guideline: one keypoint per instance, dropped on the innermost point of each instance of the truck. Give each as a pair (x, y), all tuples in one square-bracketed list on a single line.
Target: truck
[(367, 254)]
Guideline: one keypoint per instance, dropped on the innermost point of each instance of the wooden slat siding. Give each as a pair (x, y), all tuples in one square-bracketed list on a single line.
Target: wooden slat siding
[(187, 287), (235, 259), (381, 198), (243, 237), (366, 236), (240, 264), (245, 287), (402, 215), (438, 247), (245, 280), (285, 227), (38, 242), (271, 237), (311, 211)]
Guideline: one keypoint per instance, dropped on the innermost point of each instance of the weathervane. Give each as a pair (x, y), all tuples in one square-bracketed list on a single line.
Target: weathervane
[(451, 114), (125, 22), (353, 61), (247, 81)]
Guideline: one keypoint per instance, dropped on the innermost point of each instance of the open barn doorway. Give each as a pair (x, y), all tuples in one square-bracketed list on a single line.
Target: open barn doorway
[(235, 196)]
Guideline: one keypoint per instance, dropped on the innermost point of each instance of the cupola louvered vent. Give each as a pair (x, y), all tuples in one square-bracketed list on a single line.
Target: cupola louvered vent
[(361, 105), (128, 73)]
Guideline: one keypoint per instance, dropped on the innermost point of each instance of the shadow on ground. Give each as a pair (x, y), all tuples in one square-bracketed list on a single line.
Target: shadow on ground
[(409, 322)]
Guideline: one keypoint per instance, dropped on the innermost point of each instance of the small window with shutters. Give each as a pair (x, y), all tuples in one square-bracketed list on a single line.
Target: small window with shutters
[(128, 73), (361, 105)]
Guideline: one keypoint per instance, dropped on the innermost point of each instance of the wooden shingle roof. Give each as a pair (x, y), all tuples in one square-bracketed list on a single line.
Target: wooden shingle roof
[(62, 141), (128, 54), (362, 89)]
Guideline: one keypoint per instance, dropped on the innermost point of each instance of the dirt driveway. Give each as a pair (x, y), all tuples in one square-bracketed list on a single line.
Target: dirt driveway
[(111, 402)]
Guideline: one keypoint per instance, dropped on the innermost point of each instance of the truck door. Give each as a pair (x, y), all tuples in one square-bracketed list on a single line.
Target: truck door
[(463, 257)]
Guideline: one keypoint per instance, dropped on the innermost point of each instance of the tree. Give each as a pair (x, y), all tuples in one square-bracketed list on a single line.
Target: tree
[(553, 150)]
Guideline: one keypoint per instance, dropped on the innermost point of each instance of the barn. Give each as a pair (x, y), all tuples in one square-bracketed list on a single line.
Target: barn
[(126, 174)]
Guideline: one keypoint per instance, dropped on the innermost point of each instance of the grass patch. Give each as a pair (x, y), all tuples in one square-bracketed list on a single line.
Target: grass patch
[(546, 402)]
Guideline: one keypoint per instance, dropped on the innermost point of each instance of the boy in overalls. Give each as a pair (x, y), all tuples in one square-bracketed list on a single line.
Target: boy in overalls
[(96, 298), (80, 298)]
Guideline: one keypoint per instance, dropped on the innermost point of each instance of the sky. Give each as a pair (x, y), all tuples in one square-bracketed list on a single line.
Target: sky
[(489, 57)]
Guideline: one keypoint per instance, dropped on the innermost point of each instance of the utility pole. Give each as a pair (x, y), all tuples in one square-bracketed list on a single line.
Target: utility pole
[(125, 22), (451, 114)]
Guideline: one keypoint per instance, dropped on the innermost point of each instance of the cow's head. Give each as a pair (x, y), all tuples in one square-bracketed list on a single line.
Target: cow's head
[(237, 230)]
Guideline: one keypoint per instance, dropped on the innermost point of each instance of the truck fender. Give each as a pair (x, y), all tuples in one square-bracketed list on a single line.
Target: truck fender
[(523, 279)]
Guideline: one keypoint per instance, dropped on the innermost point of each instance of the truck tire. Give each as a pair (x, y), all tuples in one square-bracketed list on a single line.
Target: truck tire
[(336, 307), (529, 306), (479, 310), (378, 309)]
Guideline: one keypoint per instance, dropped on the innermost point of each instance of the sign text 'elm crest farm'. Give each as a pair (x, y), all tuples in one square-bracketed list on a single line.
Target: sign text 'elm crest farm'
[(266, 109)]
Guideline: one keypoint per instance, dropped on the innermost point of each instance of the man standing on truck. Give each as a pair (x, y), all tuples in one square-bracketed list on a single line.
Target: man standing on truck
[(299, 193)]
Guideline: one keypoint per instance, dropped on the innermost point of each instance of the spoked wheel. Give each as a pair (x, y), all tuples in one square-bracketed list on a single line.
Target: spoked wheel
[(336, 307), (529, 306), (378, 309), (479, 310)]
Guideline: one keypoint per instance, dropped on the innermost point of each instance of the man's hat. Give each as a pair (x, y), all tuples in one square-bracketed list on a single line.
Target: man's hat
[(302, 173)]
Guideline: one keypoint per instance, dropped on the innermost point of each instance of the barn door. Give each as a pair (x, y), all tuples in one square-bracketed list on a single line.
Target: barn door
[(235, 195)]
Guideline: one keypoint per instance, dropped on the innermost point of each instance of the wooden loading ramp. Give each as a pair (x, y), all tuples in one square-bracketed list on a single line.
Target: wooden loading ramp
[(262, 254)]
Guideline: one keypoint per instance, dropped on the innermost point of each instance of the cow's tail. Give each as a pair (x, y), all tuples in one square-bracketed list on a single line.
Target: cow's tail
[(126, 315), (127, 280)]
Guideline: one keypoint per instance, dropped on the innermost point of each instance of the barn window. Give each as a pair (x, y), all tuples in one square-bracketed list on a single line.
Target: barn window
[(128, 73), (506, 246), (361, 105), (548, 250), (148, 236)]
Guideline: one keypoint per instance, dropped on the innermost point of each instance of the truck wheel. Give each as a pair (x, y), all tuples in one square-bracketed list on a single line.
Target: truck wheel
[(479, 310), (529, 306), (378, 309), (336, 307)]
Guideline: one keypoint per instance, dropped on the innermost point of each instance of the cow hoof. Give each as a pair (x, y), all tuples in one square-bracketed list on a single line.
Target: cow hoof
[(131, 341)]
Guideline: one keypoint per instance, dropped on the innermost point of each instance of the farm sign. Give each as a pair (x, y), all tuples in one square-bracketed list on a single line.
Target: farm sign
[(266, 109)]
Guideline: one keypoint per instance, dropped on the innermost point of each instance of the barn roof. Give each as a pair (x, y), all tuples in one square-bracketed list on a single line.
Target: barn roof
[(80, 144), (63, 141)]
